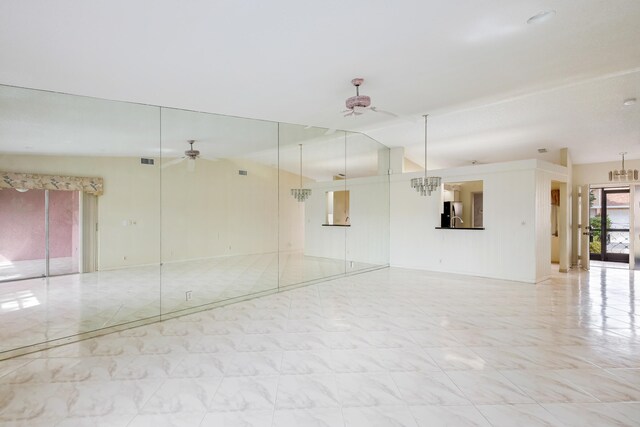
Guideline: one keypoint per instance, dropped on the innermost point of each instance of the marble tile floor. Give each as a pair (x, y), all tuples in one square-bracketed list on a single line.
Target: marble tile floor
[(391, 347), (39, 310), (15, 270)]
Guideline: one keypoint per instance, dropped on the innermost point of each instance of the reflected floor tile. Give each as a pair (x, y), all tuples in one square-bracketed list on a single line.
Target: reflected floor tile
[(522, 415), (445, 416), (167, 420)]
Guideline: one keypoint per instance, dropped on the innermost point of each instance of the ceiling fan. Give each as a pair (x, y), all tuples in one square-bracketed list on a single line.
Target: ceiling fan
[(190, 156), (359, 104)]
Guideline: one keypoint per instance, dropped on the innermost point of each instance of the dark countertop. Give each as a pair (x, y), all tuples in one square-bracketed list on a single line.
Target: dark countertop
[(336, 225), (459, 228)]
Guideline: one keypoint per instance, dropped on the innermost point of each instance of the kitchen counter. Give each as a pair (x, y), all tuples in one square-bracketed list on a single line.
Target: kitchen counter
[(459, 228)]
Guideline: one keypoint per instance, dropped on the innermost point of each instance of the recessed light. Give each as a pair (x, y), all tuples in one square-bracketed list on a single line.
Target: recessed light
[(542, 150), (629, 101), (540, 17)]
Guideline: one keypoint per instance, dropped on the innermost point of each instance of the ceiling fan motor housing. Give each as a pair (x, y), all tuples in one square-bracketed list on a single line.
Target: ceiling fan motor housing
[(192, 154), (358, 101)]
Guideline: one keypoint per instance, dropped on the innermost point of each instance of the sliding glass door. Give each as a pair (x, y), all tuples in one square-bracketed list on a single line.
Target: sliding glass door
[(22, 234), (39, 234)]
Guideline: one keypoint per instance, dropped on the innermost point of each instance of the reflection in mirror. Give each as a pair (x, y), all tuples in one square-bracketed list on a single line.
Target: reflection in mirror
[(337, 208), (219, 208), (115, 214), (308, 250), (463, 205), (367, 182), (75, 198)]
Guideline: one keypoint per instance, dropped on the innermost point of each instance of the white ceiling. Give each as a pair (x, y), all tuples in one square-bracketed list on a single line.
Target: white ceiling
[(497, 88), (48, 123)]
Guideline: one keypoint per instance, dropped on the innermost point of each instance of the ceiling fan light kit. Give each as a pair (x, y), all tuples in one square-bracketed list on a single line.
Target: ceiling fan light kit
[(623, 174), (359, 104), (190, 156), (427, 184), (191, 153)]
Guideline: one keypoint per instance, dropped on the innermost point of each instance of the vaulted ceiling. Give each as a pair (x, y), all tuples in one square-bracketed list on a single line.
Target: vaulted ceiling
[(496, 87)]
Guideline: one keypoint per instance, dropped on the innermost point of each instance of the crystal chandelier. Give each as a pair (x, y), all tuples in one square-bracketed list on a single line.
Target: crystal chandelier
[(623, 174), (300, 194), (427, 184)]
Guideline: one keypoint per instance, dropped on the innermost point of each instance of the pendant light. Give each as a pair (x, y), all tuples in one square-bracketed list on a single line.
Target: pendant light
[(623, 174), (300, 194), (425, 186)]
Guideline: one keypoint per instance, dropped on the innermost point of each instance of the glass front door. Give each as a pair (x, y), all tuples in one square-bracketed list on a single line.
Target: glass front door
[(609, 221)]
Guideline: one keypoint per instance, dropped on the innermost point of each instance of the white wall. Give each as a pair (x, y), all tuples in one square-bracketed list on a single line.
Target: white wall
[(506, 249)]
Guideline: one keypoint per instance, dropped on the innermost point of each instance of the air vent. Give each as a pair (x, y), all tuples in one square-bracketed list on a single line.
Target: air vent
[(542, 150), (241, 172), (146, 161)]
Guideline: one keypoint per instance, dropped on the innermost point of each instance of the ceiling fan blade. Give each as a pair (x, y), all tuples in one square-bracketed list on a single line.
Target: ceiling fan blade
[(191, 165), (374, 109), (350, 113), (330, 131), (172, 162)]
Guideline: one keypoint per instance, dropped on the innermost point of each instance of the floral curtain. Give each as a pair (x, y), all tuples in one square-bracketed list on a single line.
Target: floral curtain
[(30, 181)]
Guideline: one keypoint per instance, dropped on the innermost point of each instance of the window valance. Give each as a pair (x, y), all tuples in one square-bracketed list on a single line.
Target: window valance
[(32, 181)]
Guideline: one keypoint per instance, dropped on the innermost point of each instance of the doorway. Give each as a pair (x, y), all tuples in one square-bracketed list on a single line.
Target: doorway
[(40, 234), (477, 209), (609, 222)]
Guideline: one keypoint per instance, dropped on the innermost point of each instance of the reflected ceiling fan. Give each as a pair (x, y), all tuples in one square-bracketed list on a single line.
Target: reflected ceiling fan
[(190, 156), (360, 104)]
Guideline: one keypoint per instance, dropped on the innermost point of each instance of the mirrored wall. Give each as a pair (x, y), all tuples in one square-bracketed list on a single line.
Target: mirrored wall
[(114, 214)]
